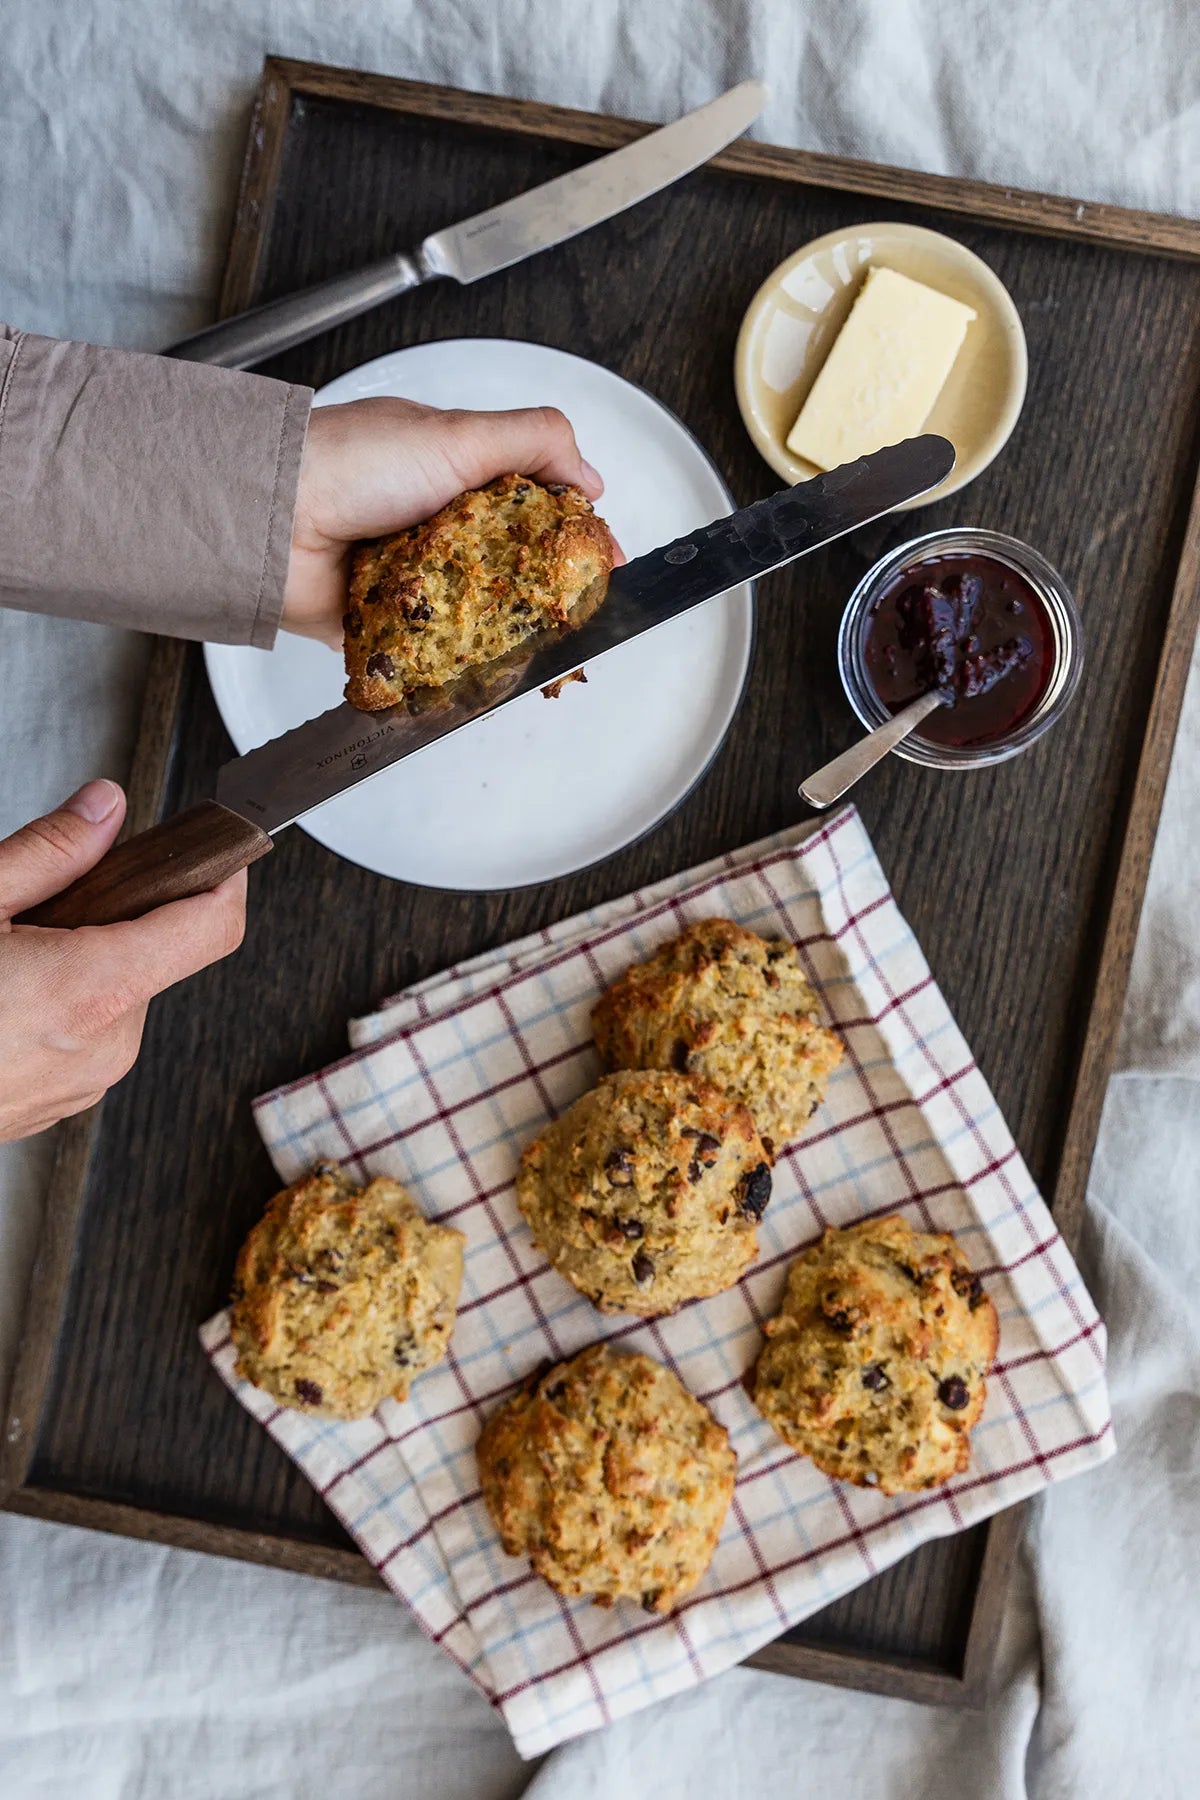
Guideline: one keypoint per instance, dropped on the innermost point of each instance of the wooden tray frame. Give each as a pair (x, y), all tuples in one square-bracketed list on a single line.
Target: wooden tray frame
[(283, 82)]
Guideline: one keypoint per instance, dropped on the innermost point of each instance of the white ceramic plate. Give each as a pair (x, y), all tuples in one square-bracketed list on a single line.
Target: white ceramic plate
[(543, 787)]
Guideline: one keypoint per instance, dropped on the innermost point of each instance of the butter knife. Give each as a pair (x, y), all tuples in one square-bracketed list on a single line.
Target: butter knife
[(490, 241)]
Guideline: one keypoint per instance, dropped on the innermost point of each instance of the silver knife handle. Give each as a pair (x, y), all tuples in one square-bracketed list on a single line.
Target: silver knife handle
[(250, 337)]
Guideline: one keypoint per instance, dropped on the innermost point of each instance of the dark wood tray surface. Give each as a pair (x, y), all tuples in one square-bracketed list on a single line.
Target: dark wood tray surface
[(1022, 883)]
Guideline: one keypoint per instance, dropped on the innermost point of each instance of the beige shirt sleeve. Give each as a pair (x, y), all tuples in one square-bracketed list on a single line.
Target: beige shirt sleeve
[(140, 491)]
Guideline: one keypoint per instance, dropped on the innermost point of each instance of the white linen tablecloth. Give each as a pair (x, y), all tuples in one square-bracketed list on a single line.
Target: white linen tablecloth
[(132, 1670)]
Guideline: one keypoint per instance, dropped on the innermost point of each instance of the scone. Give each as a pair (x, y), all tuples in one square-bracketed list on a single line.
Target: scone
[(875, 1365), (648, 1191), (719, 1001), (343, 1294), (495, 565), (610, 1477)]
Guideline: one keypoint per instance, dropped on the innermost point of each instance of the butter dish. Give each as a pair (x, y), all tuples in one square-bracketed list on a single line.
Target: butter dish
[(794, 320)]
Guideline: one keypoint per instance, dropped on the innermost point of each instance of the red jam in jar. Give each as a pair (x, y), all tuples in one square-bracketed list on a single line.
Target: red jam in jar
[(970, 626)]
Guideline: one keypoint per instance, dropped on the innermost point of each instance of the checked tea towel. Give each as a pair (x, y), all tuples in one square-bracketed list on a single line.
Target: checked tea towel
[(444, 1086)]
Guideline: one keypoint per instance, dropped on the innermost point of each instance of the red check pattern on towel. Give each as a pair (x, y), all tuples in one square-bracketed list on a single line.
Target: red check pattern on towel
[(445, 1086)]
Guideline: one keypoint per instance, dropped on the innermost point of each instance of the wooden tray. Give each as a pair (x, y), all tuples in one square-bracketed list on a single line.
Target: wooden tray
[(1023, 883)]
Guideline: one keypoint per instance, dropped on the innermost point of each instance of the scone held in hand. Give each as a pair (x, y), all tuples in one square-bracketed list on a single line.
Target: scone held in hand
[(610, 1477), (648, 1191), (497, 564), (875, 1364), (343, 1294)]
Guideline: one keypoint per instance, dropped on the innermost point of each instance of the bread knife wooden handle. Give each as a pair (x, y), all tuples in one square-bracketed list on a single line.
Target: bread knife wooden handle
[(185, 855)]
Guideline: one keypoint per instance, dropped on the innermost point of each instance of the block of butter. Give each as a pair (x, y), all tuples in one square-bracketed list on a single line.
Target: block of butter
[(887, 366)]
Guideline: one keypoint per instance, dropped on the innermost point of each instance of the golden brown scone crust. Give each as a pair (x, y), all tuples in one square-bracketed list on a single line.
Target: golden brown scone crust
[(498, 563), (610, 1477), (721, 1002), (343, 1294), (875, 1364), (648, 1191)]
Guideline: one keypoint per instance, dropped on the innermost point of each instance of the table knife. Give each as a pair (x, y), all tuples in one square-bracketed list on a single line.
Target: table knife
[(492, 240), (258, 794)]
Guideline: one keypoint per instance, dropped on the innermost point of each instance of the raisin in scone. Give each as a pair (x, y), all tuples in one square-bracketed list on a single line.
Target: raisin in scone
[(342, 1295), (721, 1002), (875, 1364), (648, 1191), (494, 566), (610, 1477)]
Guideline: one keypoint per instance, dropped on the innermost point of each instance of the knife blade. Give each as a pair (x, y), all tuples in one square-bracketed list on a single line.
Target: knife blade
[(491, 240), (307, 766), (265, 790)]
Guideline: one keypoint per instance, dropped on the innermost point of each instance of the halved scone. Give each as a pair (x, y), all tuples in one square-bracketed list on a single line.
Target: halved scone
[(496, 565)]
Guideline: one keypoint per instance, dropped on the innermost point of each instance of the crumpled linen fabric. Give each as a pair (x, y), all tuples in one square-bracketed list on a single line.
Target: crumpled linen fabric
[(127, 1669)]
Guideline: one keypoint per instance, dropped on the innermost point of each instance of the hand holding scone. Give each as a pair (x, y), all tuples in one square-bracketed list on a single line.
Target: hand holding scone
[(376, 466)]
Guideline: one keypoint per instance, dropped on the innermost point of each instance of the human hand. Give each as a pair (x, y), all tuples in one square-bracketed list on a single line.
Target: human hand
[(375, 466), (73, 1003)]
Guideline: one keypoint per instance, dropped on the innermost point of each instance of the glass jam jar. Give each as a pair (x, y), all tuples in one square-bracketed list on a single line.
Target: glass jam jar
[(979, 614)]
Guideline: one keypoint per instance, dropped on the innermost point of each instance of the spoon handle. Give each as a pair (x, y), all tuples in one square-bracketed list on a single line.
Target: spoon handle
[(839, 776)]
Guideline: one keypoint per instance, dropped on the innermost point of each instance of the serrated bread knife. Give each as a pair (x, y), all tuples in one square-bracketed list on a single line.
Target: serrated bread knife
[(492, 240), (260, 793)]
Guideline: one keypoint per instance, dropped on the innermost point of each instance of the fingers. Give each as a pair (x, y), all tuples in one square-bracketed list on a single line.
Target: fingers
[(48, 854), (61, 1074), (78, 1072), (141, 958), (535, 440), (29, 1125), (73, 1003), (374, 466)]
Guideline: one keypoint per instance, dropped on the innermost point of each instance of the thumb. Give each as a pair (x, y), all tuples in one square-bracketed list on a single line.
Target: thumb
[(48, 854)]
